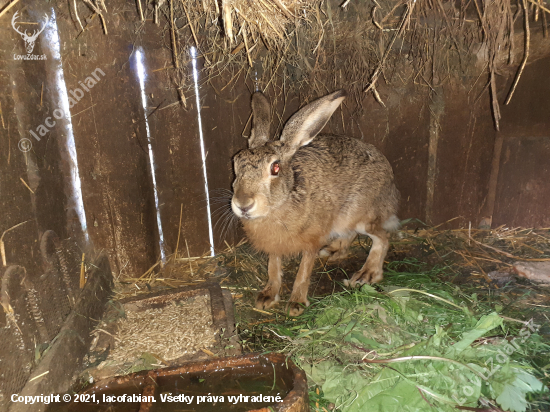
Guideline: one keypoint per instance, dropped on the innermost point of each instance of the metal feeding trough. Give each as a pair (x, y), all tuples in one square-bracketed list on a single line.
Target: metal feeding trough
[(190, 333), (163, 329), (197, 366), (258, 383)]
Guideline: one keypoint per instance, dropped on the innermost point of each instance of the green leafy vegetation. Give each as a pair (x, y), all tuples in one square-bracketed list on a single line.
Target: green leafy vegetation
[(445, 329), (416, 343)]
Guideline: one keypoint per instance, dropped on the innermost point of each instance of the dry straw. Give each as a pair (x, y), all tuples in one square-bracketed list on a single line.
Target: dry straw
[(320, 46)]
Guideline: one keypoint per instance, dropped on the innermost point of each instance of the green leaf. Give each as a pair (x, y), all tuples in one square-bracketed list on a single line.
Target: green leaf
[(484, 325), (513, 396), (369, 290), (384, 380), (350, 326), (338, 384), (330, 316), (401, 397), (512, 399), (357, 337), (318, 373)]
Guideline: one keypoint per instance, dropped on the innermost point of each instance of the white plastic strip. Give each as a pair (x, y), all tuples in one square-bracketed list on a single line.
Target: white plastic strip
[(141, 76), (52, 37), (203, 155)]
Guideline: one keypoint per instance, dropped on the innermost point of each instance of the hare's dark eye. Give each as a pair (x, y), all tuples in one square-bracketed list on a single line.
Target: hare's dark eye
[(275, 168)]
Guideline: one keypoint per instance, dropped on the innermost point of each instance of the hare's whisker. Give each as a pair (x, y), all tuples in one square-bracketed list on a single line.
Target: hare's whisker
[(221, 218), (228, 223)]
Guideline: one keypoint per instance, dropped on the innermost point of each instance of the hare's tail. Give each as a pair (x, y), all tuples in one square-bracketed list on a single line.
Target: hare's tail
[(392, 224)]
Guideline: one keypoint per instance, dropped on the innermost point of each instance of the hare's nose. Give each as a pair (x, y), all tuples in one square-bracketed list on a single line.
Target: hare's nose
[(246, 208)]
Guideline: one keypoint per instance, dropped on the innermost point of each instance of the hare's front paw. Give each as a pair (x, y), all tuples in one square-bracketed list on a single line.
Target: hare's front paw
[(364, 276), (266, 300)]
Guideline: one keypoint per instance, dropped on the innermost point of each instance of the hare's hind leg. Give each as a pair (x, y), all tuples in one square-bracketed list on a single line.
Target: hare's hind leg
[(372, 270), (269, 297), (298, 298)]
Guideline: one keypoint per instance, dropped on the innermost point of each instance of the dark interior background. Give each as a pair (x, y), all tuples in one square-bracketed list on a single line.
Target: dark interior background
[(448, 159)]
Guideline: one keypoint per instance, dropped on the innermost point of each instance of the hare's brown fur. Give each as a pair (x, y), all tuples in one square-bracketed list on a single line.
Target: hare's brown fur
[(328, 189)]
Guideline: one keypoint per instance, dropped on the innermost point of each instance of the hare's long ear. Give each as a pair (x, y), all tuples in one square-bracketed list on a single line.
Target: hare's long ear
[(310, 120), (259, 134)]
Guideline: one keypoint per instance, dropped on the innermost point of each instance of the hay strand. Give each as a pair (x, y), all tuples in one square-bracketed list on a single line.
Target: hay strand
[(2, 248), (99, 13), (378, 70), (179, 232), (227, 19), (140, 10), (82, 272), (80, 24), (525, 51), (173, 36), (8, 7)]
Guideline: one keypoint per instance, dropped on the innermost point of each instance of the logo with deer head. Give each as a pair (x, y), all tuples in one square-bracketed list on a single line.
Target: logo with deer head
[(29, 39)]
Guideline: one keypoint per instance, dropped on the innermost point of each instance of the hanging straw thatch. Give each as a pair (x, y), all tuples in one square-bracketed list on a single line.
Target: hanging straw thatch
[(319, 46)]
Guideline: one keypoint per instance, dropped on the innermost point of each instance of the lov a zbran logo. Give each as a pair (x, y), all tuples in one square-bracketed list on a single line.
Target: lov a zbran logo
[(30, 39)]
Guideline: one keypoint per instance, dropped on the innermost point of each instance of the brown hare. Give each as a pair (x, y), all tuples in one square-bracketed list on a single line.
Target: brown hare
[(312, 194)]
